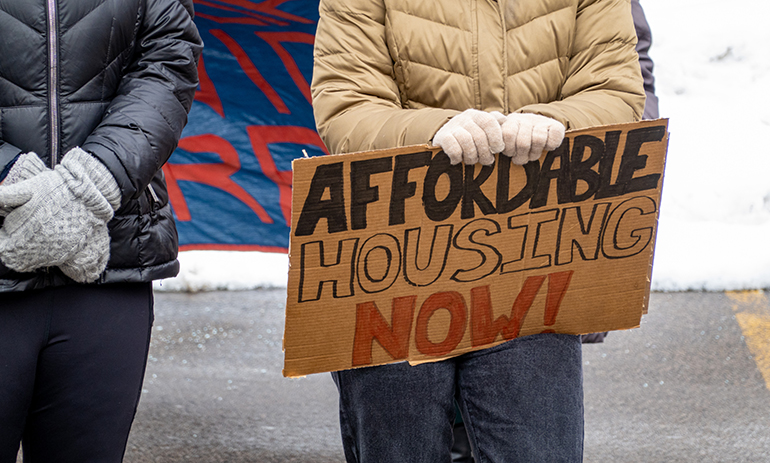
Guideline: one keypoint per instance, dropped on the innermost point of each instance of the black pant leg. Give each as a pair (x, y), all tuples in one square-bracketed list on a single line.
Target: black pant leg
[(24, 319), (90, 374)]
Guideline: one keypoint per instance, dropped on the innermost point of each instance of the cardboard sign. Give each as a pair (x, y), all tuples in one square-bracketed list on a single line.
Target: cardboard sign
[(398, 255)]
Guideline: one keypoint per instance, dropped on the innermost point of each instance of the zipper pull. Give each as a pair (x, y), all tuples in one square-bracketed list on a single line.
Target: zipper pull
[(153, 194)]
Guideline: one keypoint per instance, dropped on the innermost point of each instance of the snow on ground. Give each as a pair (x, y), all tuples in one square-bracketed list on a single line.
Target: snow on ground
[(712, 72)]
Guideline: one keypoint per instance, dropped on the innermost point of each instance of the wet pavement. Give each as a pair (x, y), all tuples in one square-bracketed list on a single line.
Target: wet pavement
[(214, 391), (682, 388)]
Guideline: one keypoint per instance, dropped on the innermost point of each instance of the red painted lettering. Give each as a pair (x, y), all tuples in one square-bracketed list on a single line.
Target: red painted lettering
[(455, 304), (557, 287), (371, 326), (484, 330)]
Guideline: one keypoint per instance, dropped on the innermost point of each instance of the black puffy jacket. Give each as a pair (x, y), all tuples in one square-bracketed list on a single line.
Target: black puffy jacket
[(117, 78)]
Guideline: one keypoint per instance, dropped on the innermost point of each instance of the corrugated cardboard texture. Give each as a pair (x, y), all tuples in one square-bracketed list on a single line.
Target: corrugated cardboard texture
[(397, 255)]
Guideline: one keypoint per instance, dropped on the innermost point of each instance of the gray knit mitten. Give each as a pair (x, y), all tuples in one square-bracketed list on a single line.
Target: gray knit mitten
[(27, 166), (59, 218)]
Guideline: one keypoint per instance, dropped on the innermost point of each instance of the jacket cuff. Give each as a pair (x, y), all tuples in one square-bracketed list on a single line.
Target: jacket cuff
[(8, 156), (8, 168)]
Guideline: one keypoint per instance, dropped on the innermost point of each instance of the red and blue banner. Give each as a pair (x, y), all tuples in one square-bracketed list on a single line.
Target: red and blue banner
[(230, 178)]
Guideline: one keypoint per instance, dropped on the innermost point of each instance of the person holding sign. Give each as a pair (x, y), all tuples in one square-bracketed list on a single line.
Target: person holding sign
[(477, 78)]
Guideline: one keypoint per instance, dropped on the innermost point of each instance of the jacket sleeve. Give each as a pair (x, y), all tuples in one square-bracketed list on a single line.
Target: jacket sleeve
[(143, 123), (8, 155), (644, 37), (603, 84), (356, 101)]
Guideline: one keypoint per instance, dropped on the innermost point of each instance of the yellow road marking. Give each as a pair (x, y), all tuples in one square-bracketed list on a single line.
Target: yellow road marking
[(752, 310)]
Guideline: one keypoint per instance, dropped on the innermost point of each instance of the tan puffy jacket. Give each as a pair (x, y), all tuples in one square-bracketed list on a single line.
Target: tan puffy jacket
[(390, 73)]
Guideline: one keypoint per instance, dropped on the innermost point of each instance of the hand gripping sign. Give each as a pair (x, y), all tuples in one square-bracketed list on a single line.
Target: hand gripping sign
[(398, 255)]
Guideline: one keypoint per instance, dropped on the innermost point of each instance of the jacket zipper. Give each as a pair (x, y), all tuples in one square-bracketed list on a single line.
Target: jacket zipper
[(154, 195), (53, 82), (502, 7), (53, 94)]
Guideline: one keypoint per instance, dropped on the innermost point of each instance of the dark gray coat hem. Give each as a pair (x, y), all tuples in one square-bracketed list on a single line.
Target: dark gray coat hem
[(54, 277)]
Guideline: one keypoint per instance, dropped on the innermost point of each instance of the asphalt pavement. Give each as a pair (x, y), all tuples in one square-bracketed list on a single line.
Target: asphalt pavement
[(687, 386)]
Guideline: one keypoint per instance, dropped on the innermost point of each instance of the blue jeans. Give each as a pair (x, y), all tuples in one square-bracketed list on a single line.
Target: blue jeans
[(521, 401)]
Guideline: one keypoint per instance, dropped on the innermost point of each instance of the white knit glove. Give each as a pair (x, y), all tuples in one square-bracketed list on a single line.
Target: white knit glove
[(27, 166), (59, 218), (526, 136), (471, 136)]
